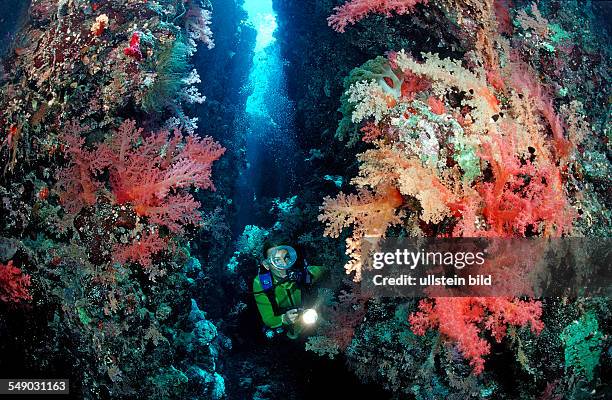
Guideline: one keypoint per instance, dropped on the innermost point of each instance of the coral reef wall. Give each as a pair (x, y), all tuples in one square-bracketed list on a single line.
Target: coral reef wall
[(408, 76), (100, 151), (124, 262)]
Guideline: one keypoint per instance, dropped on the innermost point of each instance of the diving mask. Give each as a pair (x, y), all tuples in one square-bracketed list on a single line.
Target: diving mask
[(282, 257)]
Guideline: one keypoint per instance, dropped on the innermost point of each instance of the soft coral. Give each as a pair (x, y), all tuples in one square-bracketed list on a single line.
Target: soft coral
[(141, 251), (133, 50), (76, 184), (522, 194), (355, 10), (152, 181), (151, 173), (368, 213), (13, 284), (461, 319)]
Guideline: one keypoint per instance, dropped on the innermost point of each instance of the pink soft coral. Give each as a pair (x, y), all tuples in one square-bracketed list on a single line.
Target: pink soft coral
[(13, 284), (140, 251), (151, 181), (525, 81), (522, 194), (356, 10), (151, 173), (197, 24), (76, 183), (462, 319), (133, 50), (345, 316)]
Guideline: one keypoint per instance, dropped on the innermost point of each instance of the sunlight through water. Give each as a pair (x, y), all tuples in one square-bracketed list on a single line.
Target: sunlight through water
[(262, 17), (269, 135)]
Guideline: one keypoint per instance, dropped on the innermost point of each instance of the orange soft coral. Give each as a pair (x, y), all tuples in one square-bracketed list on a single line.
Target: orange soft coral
[(369, 213)]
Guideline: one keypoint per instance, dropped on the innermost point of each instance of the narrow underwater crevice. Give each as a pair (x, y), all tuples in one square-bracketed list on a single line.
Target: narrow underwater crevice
[(14, 15)]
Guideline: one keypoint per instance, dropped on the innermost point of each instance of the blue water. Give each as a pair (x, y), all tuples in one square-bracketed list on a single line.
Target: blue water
[(12, 15), (269, 136)]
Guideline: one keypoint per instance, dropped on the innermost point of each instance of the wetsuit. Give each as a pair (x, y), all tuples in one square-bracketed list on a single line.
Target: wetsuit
[(287, 295)]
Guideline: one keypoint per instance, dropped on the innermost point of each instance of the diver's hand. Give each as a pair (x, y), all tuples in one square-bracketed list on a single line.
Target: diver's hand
[(290, 316)]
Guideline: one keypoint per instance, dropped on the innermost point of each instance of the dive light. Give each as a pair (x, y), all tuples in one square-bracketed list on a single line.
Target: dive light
[(310, 316)]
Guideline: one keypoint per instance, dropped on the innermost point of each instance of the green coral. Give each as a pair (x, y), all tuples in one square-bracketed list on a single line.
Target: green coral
[(426, 127), (284, 206), (596, 165), (322, 346), (169, 382), (83, 316), (583, 342), (172, 66), (465, 156), (558, 33)]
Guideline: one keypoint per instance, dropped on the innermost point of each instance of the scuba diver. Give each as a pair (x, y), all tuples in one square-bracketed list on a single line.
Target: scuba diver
[(278, 290)]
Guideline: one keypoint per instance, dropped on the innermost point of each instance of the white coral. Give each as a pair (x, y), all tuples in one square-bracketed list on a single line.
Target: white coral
[(369, 100)]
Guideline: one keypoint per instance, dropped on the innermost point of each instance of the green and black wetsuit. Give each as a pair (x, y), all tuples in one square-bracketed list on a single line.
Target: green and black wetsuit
[(287, 294)]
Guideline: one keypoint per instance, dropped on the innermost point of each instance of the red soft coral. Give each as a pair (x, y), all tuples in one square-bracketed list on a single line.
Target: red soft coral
[(140, 251), (151, 173), (133, 50), (436, 105), (13, 284), (371, 132), (462, 319), (523, 194), (356, 10), (412, 84), (76, 184), (502, 15)]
